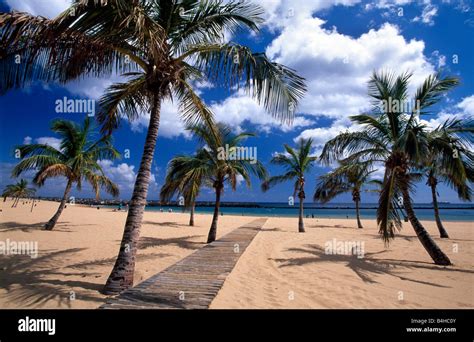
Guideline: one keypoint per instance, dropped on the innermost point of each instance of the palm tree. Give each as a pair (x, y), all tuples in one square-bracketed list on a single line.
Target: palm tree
[(345, 178), (17, 191), (450, 160), (394, 135), (185, 177), (296, 164), (162, 47), (76, 160), (222, 159)]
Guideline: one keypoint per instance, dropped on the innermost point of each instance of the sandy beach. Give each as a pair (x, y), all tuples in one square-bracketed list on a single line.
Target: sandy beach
[(280, 269)]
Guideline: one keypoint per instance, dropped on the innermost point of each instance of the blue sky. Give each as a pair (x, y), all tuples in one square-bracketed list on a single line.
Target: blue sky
[(334, 44)]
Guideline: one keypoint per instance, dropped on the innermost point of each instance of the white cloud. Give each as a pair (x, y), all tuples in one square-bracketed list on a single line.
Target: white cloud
[(427, 16), (27, 140), (171, 124), (45, 8), (281, 13), (467, 105), (51, 141), (337, 66), (239, 108), (124, 176), (464, 110)]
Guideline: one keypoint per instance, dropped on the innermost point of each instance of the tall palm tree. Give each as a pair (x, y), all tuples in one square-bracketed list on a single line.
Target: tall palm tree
[(347, 177), (296, 163), (394, 135), (17, 191), (450, 160), (163, 48), (222, 159), (76, 160), (184, 177)]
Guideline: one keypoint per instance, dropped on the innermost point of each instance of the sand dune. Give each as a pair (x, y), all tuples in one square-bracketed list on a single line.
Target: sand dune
[(280, 269)]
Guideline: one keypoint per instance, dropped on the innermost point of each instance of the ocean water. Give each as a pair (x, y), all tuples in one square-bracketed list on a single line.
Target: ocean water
[(448, 212)]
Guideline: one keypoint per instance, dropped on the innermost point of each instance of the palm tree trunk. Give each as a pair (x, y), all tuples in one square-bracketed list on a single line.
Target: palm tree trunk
[(15, 199), (428, 243), (301, 213), (213, 231), (52, 222), (359, 224), (442, 232), (121, 277), (191, 215)]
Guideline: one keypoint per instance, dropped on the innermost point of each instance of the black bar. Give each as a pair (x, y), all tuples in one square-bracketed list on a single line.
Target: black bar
[(311, 325)]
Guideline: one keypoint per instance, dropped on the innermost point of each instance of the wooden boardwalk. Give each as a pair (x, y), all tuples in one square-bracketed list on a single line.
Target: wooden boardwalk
[(193, 282)]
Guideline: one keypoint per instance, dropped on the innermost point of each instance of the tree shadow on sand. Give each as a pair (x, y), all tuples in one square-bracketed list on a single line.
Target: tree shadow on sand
[(60, 226), (182, 242), (365, 268), (12, 226), (30, 281), (166, 224)]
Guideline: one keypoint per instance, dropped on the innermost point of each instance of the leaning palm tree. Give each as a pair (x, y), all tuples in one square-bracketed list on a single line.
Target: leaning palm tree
[(394, 135), (76, 160), (163, 48), (450, 160), (185, 177), (297, 163), (222, 159), (347, 177), (17, 191)]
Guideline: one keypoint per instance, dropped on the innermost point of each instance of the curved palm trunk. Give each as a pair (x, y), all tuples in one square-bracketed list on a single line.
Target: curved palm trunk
[(191, 215), (442, 232), (121, 277), (213, 231), (53, 220), (428, 243), (359, 223), (301, 213)]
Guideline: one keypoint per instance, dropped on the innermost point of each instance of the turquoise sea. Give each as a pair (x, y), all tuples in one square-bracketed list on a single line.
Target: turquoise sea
[(448, 212)]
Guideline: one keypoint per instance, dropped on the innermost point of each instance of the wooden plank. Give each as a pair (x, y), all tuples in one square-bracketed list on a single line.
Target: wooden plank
[(193, 282)]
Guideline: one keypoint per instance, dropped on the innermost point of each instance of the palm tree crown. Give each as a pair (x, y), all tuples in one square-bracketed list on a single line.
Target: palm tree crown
[(77, 159), (296, 163), (450, 160), (17, 191), (215, 168), (347, 177)]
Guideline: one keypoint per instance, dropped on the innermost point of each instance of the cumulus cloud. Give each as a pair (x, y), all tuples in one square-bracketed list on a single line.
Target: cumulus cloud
[(51, 141), (27, 140), (338, 66), (124, 176), (239, 109), (463, 110)]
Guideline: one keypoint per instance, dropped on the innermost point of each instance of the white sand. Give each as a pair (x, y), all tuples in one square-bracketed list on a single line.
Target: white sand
[(280, 269)]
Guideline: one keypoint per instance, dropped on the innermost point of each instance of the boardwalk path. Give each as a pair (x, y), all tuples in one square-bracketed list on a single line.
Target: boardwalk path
[(193, 282)]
